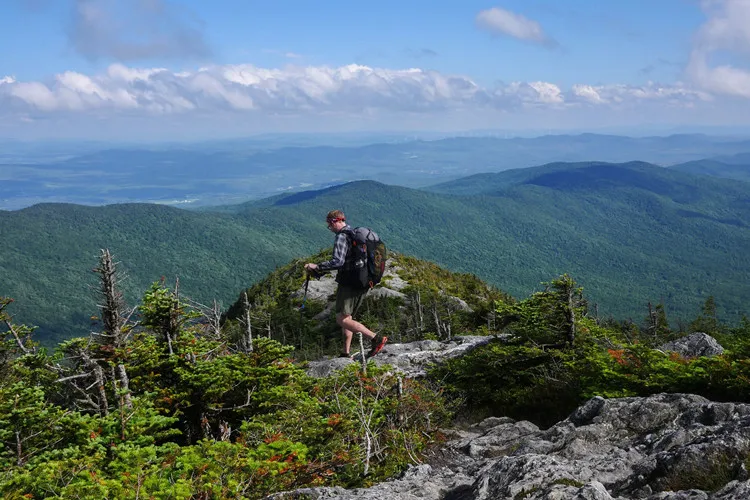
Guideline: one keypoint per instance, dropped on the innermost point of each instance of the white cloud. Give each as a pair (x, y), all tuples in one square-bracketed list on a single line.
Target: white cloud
[(35, 94), (122, 72), (548, 93), (503, 22), (72, 92), (310, 90), (726, 30), (618, 95), (588, 93)]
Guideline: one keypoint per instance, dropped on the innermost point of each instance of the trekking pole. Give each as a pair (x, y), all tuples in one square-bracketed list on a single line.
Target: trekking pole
[(304, 297), (302, 325)]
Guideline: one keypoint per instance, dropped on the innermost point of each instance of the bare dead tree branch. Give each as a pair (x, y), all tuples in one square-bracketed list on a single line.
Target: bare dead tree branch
[(248, 324), (212, 315), (17, 337), (73, 377), (238, 407), (115, 320), (113, 303), (4, 301)]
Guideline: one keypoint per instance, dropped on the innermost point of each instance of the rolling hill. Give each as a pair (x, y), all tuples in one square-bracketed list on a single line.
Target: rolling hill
[(49, 251), (230, 172), (732, 167), (629, 233)]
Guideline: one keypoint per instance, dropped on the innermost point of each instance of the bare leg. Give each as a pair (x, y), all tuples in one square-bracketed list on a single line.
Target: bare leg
[(349, 326), (347, 336)]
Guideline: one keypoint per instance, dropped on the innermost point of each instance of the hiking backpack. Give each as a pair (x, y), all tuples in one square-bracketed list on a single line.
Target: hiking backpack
[(368, 256)]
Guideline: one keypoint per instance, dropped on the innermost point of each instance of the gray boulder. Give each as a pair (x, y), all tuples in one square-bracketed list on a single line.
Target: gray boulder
[(666, 446), (323, 288), (391, 278), (457, 302), (411, 359), (420, 482), (319, 289), (694, 345), (381, 291)]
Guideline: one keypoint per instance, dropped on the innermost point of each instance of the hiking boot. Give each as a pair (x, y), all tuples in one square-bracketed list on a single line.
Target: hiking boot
[(345, 355), (377, 345)]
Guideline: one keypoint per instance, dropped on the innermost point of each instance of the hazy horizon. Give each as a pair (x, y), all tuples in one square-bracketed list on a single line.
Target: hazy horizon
[(221, 172), (371, 136)]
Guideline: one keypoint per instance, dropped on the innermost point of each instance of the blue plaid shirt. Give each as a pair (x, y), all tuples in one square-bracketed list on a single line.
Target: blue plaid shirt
[(340, 249)]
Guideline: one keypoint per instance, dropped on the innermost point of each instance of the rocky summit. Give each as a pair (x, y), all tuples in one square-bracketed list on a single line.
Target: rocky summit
[(665, 446)]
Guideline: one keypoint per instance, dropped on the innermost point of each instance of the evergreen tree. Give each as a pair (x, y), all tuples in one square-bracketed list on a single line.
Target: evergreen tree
[(707, 321)]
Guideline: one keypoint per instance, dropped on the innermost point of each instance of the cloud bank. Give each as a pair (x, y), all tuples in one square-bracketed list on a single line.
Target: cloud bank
[(308, 90)]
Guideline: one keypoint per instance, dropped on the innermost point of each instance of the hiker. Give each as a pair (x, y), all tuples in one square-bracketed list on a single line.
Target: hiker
[(349, 296)]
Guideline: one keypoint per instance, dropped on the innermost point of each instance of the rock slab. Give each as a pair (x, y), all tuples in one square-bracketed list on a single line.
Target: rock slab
[(661, 447)]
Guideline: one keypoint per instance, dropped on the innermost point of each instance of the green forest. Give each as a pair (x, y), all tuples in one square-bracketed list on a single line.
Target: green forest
[(630, 233), (167, 398)]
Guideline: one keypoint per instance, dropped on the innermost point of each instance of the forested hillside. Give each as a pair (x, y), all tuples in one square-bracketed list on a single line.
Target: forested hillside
[(47, 259), (731, 168), (630, 233), (170, 401)]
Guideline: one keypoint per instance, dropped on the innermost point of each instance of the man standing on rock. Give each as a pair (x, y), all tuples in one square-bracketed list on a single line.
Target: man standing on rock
[(348, 297)]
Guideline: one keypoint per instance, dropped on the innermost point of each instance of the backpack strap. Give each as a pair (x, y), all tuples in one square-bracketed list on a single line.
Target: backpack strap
[(349, 236), (350, 255)]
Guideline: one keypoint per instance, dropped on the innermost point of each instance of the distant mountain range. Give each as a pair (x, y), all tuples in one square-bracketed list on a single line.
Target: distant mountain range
[(629, 233), (730, 167), (227, 172)]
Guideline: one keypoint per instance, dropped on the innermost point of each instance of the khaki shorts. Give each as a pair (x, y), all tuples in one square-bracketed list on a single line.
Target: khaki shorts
[(349, 299)]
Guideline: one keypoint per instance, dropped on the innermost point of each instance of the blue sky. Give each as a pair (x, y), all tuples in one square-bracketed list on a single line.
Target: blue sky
[(151, 69)]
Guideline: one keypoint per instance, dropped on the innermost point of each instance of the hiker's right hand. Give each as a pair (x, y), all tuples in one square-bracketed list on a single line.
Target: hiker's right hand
[(313, 271)]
